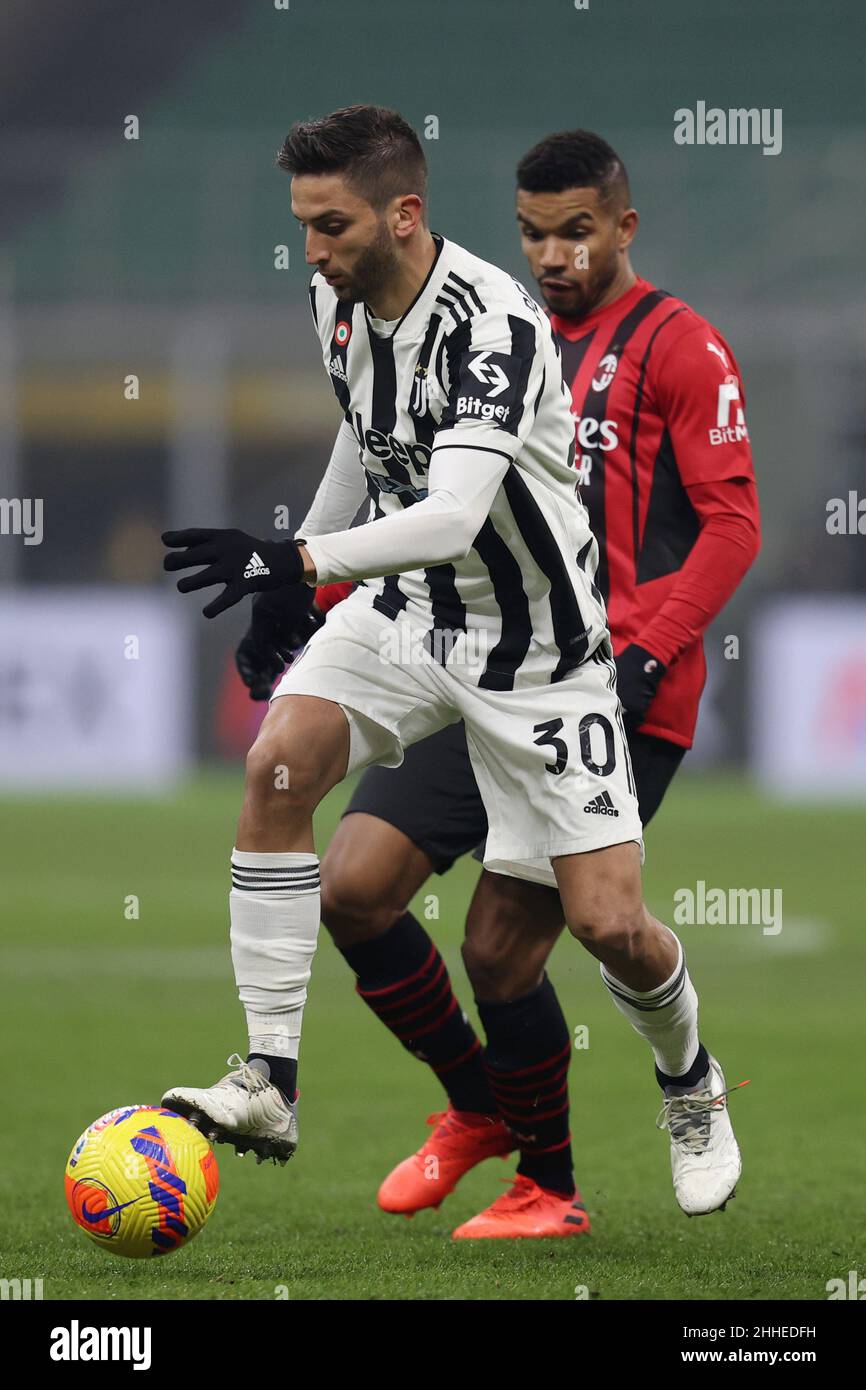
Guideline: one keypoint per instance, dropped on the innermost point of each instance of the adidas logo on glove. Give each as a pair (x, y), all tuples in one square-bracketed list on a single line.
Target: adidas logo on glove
[(255, 566), (601, 806)]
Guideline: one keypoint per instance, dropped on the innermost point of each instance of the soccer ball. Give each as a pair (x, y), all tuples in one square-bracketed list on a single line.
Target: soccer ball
[(141, 1181)]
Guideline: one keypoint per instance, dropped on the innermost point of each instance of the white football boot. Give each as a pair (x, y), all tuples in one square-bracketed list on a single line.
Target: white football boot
[(705, 1158), (243, 1109)]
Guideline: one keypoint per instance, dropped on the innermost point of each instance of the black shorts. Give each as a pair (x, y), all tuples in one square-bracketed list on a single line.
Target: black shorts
[(433, 798)]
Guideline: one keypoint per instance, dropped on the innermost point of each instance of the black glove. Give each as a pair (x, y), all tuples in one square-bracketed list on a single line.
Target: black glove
[(281, 623), (240, 562), (638, 674)]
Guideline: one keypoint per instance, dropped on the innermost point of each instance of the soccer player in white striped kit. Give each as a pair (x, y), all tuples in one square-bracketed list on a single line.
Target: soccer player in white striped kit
[(476, 601)]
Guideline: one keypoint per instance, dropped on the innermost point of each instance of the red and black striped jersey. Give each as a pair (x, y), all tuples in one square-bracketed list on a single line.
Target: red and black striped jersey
[(659, 409)]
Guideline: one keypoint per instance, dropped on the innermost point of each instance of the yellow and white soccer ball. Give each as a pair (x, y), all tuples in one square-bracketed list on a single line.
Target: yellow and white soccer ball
[(141, 1181)]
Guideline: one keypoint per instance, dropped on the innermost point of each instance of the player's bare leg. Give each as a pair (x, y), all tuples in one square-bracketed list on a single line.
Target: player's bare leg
[(370, 871), (301, 752), (370, 874), (643, 966)]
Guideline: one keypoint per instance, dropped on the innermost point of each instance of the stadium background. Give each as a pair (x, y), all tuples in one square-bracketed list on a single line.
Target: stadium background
[(121, 724)]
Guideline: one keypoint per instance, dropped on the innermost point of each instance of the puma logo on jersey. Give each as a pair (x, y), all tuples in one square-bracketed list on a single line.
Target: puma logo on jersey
[(255, 566), (601, 806)]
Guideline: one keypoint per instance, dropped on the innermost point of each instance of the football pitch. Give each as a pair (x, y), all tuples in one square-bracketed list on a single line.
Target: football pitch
[(103, 1007)]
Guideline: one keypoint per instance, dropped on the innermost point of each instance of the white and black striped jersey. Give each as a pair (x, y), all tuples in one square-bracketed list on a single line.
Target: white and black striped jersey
[(472, 365)]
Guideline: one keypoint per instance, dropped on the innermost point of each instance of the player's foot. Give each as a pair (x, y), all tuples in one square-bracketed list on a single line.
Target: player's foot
[(527, 1210), (244, 1109), (705, 1158), (460, 1139)]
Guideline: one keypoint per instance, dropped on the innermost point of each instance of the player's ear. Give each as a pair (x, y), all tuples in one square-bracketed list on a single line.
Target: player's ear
[(628, 224), (408, 215)]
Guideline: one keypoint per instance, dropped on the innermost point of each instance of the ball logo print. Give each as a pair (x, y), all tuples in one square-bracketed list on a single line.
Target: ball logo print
[(141, 1181)]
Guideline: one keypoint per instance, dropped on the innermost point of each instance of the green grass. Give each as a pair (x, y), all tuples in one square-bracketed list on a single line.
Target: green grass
[(99, 1011)]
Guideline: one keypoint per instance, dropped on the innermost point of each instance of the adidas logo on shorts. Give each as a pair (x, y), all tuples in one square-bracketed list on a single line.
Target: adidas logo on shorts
[(601, 806), (255, 566)]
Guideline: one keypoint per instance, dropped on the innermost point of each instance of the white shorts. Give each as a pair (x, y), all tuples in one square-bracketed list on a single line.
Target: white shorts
[(551, 761)]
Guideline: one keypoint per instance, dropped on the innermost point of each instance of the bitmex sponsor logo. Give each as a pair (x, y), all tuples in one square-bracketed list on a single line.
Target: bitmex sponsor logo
[(77, 1343), (727, 430), (737, 126)]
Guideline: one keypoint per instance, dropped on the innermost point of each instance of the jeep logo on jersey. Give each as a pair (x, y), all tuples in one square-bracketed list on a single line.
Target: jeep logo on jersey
[(387, 447), (595, 434), (606, 372)]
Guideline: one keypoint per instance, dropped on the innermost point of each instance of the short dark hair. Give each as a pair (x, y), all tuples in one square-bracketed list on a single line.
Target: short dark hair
[(575, 159), (377, 150)]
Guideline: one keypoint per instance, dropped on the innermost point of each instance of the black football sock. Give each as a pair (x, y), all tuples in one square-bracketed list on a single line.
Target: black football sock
[(689, 1079), (403, 979), (282, 1071), (527, 1055)]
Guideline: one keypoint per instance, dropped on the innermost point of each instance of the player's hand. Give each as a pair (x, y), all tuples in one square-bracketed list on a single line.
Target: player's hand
[(638, 674), (281, 623), (242, 563)]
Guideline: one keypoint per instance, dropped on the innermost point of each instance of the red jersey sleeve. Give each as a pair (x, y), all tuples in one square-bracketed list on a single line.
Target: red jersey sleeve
[(727, 544), (329, 595), (699, 394)]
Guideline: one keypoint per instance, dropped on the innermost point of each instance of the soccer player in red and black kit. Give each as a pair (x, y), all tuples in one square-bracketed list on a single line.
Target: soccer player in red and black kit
[(664, 466)]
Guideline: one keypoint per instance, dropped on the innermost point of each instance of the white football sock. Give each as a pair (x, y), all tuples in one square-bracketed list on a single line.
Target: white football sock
[(667, 1016), (275, 910)]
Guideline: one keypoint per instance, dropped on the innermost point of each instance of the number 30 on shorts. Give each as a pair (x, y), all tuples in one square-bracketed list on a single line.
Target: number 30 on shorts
[(547, 736)]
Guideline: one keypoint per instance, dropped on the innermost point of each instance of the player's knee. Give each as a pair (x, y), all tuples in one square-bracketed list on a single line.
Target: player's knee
[(486, 967), (498, 971), (615, 928), (276, 770), (355, 906)]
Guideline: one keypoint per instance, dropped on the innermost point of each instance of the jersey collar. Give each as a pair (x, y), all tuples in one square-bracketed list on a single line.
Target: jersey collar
[(435, 276)]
